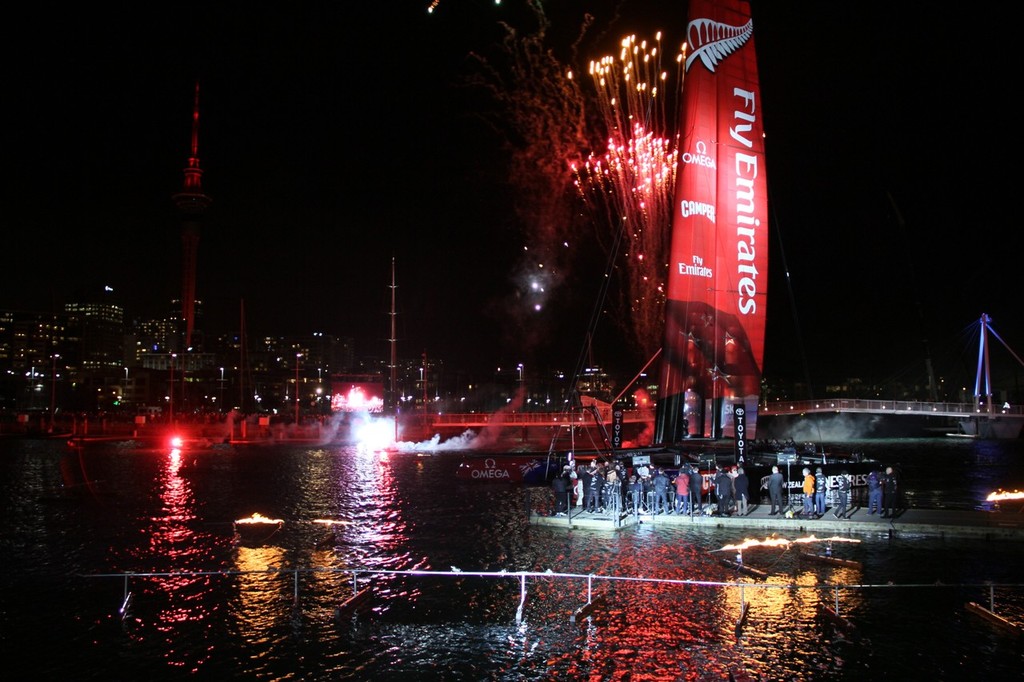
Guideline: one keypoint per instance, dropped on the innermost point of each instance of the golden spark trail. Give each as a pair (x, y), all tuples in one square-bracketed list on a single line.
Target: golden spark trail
[(630, 185)]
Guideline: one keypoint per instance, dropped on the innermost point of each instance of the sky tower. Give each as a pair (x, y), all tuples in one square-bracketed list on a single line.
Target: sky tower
[(191, 204)]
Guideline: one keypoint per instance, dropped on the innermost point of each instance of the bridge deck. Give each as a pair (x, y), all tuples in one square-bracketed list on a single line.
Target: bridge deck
[(782, 407)]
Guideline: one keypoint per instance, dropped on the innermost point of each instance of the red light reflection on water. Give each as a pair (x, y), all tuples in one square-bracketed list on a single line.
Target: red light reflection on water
[(678, 619), (171, 535), (162, 605)]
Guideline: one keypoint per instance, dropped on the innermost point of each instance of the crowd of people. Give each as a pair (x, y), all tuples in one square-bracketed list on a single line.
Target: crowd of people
[(883, 493), (607, 486)]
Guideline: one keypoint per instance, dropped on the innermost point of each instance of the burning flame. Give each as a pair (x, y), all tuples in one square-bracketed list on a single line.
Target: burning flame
[(782, 542), (260, 518), (1000, 495)]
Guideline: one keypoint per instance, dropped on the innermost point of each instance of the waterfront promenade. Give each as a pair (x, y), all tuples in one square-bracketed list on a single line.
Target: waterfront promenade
[(1004, 524)]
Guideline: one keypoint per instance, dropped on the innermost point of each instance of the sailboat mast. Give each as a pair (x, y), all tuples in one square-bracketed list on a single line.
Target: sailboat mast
[(241, 361), (394, 357)]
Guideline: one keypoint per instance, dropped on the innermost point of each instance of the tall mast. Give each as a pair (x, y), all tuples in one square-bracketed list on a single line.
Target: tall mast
[(241, 361), (394, 360), (394, 357)]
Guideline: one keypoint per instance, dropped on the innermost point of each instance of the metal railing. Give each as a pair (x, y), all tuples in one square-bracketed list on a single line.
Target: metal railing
[(360, 585), (897, 407)]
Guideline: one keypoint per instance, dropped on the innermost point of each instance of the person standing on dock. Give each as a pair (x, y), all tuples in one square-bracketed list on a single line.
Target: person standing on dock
[(635, 492), (890, 493), (590, 494), (660, 483), (577, 485), (874, 492), (696, 490), (820, 484), (741, 486), (560, 487), (843, 494), (723, 491), (775, 483), (808, 493), (612, 495), (597, 486), (682, 484)]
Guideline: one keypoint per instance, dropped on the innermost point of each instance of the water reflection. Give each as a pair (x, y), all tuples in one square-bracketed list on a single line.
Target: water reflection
[(166, 605), (264, 595), (227, 608)]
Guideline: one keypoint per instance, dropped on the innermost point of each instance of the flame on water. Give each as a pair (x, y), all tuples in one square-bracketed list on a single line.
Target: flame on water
[(259, 518), (1001, 495), (783, 542)]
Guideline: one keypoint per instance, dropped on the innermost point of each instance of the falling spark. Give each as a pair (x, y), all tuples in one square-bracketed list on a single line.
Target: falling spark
[(629, 187), (541, 119), (606, 145)]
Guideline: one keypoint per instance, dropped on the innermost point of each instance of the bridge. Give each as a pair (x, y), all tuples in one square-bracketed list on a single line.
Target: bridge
[(888, 407), (774, 408)]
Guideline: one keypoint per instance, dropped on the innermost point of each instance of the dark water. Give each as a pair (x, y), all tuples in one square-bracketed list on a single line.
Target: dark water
[(267, 610)]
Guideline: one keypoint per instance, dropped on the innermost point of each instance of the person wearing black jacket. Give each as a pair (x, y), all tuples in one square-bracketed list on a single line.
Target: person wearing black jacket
[(775, 485), (741, 488), (560, 487), (890, 493), (696, 491), (723, 491)]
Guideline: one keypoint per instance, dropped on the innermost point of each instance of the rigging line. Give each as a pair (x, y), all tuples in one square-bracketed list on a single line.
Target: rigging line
[(933, 390), (1005, 345), (595, 316), (792, 297), (792, 301)]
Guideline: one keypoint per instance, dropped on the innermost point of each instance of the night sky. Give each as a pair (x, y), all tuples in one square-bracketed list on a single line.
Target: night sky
[(337, 136)]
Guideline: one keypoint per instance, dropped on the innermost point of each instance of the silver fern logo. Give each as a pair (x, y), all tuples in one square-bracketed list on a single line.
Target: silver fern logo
[(712, 41)]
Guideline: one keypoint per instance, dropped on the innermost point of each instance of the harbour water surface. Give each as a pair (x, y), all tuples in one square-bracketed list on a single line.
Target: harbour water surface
[(212, 606)]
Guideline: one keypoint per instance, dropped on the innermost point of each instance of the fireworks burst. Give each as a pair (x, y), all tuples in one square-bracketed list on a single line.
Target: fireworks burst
[(541, 118), (630, 186), (551, 122)]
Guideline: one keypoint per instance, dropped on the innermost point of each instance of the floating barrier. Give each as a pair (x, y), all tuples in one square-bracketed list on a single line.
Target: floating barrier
[(745, 569), (833, 617), (355, 604), (587, 609), (741, 621), (994, 618)]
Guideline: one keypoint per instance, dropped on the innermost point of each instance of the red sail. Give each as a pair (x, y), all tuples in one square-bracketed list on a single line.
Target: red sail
[(718, 266)]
